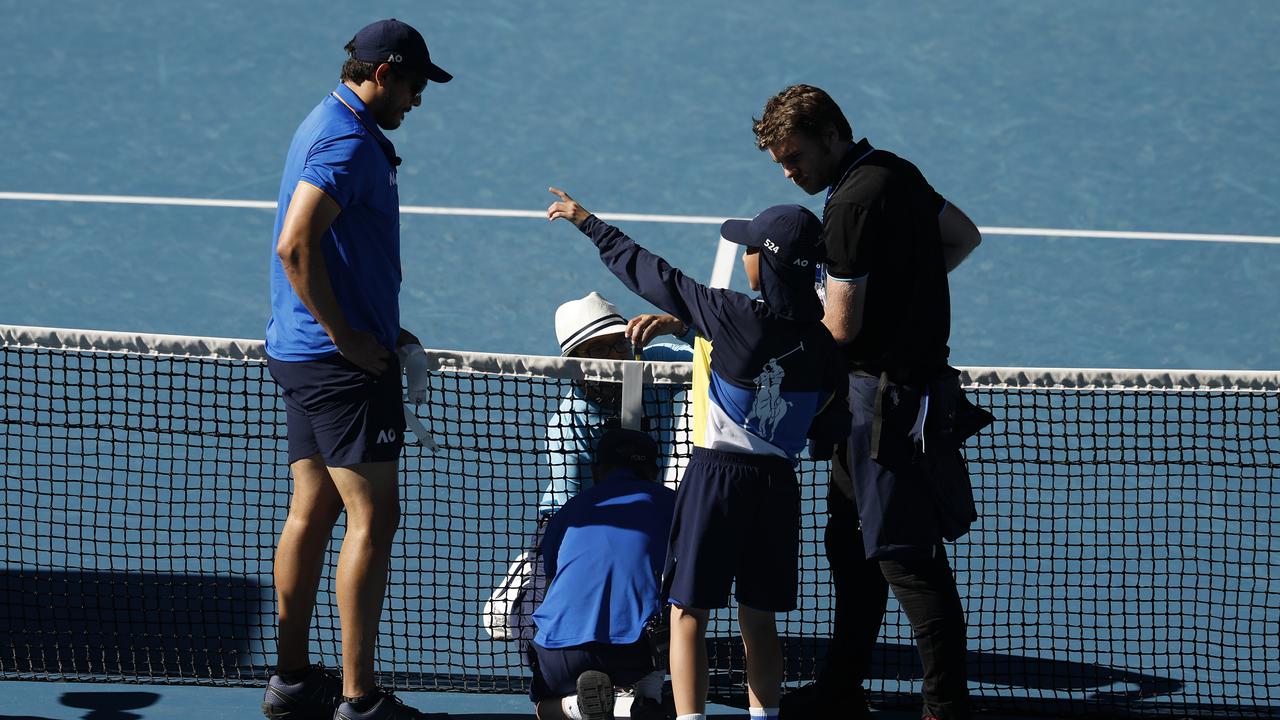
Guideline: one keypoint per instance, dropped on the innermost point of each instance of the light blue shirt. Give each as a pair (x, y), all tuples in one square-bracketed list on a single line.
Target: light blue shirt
[(576, 426)]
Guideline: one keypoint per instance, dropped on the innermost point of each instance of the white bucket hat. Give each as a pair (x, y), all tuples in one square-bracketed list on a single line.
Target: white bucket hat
[(577, 321)]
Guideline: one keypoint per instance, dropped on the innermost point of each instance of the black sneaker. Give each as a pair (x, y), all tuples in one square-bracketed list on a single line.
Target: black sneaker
[(646, 709), (312, 699), (388, 707), (815, 701), (595, 695)]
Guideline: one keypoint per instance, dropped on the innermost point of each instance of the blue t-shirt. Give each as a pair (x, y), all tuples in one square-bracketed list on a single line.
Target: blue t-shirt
[(603, 554), (576, 426), (340, 150)]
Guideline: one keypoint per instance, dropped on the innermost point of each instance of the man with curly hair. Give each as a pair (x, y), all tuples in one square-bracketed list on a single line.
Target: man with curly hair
[(890, 242)]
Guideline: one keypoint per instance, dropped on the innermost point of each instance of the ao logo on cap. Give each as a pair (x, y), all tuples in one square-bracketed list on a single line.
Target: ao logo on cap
[(395, 58)]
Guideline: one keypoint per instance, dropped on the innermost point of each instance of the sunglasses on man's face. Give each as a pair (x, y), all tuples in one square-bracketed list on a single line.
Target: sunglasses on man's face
[(417, 84), (416, 87)]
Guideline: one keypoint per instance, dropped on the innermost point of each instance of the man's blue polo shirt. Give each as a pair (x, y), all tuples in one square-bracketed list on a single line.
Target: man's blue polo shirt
[(604, 552), (341, 150)]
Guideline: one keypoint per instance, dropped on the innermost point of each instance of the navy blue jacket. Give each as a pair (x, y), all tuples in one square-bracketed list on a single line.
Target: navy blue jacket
[(762, 368)]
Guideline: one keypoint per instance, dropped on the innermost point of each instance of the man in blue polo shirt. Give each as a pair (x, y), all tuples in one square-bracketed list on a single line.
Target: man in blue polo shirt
[(603, 554), (332, 343)]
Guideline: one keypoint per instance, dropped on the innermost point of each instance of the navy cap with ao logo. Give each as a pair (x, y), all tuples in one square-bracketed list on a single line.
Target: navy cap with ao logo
[(790, 234), (397, 43), (620, 447)]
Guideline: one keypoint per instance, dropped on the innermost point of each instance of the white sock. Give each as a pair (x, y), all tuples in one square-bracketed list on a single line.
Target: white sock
[(767, 713), (692, 716), (569, 704), (649, 687)]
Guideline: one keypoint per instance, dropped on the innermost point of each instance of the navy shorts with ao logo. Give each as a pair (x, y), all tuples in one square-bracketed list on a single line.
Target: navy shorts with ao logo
[(737, 523), (340, 412)]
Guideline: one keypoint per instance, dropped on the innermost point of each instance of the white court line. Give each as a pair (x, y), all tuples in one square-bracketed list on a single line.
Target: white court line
[(1130, 235), (623, 217), (139, 200)]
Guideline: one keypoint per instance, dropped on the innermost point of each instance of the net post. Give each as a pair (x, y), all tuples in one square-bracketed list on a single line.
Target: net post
[(632, 394), (722, 269)]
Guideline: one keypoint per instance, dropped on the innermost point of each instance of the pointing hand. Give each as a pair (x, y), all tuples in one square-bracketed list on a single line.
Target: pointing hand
[(566, 208)]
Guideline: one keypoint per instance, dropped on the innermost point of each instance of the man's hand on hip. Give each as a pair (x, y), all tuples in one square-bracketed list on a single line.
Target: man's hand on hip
[(407, 338), (364, 351)]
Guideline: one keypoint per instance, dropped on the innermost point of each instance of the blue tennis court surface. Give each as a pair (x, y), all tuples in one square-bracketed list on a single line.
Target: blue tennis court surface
[(69, 701), (1070, 116), (1088, 115)]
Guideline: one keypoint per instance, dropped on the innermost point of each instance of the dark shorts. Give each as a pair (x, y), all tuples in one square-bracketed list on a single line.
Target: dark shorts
[(338, 411), (901, 509), (556, 670), (737, 518)]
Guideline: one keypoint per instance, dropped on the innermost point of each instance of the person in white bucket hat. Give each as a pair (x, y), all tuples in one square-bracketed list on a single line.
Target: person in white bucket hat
[(590, 318), (592, 327)]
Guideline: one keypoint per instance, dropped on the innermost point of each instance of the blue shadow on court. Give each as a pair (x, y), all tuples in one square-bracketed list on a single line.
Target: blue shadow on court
[(900, 662), (109, 705), (102, 705), (103, 623)]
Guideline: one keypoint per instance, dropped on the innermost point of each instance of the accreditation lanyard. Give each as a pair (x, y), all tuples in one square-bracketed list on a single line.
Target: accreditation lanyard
[(820, 269), (831, 190), (387, 148)]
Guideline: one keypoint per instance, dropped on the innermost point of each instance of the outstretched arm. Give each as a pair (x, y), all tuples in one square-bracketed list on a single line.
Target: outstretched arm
[(644, 273)]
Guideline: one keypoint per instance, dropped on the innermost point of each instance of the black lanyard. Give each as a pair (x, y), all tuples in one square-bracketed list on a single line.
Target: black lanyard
[(831, 190), (383, 142)]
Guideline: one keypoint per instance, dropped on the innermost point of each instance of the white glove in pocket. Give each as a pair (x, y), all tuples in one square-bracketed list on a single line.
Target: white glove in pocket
[(414, 361)]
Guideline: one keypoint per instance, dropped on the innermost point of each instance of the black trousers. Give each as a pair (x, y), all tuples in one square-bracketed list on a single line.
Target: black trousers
[(926, 590)]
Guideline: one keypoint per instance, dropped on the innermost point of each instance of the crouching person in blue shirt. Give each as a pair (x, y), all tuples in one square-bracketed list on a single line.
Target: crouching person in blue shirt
[(603, 554)]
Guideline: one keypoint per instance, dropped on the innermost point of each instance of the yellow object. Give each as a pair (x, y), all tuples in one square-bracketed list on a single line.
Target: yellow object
[(701, 391)]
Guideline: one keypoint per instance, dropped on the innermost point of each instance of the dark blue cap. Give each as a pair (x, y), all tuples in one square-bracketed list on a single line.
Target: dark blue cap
[(627, 448), (791, 234), (397, 43)]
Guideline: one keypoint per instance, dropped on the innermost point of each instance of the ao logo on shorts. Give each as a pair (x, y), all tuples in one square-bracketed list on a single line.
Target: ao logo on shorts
[(386, 436)]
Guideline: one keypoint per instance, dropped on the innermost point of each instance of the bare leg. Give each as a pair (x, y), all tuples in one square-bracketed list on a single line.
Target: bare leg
[(372, 498), (313, 509), (689, 659), (764, 656)]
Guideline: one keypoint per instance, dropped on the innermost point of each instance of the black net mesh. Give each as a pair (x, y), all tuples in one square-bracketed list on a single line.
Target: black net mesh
[(1125, 561)]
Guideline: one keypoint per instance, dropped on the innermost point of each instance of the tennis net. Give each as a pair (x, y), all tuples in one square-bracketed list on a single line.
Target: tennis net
[(1125, 561)]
